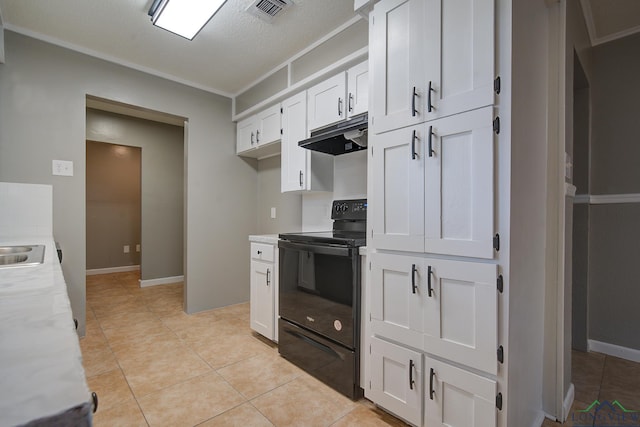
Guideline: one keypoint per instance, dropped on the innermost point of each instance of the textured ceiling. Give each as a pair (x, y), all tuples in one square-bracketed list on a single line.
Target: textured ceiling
[(233, 50)]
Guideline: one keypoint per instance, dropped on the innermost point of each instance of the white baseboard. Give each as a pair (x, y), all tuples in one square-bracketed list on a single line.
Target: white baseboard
[(122, 269), (568, 402), (614, 350), (540, 419), (161, 281)]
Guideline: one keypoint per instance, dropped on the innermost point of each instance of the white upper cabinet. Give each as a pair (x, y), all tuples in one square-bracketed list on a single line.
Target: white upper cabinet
[(246, 134), (455, 397), (459, 56), (459, 185), (294, 129), (433, 58), (398, 189), (433, 187), (327, 102), (342, 96), (397, 37), (301, 169), (358, 89), (257, 135), (269, 125)]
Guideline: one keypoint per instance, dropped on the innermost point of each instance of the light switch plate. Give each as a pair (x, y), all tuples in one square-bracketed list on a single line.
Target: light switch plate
[(273, 213), (62, 167)]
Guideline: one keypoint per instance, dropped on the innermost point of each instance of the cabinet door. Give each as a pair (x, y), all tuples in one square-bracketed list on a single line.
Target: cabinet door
[(269, 125), (459, 185), (460, 320), (245, 134), (396, 382), (294, 129), (261, 310), (457, 398), (398, 293), (358, 89), (397, 52), (459, 55), (398, 189), (327, 102)]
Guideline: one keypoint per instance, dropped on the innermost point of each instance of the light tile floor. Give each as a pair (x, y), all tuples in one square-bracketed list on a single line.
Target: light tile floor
[(153, 365), (605, 378)]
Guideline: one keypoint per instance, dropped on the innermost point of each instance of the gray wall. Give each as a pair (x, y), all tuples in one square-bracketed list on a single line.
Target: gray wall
[(113, 205), (162, 186), (614, 230), (288, 205), (43, 89)]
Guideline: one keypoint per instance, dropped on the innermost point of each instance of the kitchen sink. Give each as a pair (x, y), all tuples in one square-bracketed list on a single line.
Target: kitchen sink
[(21, 256), (4, 250)]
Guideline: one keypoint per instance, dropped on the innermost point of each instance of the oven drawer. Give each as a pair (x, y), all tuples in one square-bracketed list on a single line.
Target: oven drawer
[(333, 364), (262, 252)]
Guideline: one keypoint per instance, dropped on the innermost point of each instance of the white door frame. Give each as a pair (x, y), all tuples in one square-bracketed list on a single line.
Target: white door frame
[(557, 358)]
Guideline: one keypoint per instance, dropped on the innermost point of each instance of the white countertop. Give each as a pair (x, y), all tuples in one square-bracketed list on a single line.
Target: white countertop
[(270, 239), (41, 373)]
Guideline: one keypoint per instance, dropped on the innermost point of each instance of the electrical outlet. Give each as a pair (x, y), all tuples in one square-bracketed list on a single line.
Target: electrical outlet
[(273, 213), (138, 247), (62, 167), (126, 249)]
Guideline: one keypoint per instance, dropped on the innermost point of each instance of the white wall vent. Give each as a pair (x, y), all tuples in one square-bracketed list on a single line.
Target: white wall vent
[(268, 9)]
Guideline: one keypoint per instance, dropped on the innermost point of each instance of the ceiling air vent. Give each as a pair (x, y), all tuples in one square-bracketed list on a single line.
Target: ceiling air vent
[(268, 9)]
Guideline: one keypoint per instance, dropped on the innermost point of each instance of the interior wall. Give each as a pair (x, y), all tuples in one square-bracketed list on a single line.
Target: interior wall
[(113, 205), (162, 181), (614, 230), (349, 182), (288, 205), (43, 91), (529, 83)]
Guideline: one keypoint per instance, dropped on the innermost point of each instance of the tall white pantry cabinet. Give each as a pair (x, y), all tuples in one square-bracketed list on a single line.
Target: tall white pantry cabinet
[(435, 355)]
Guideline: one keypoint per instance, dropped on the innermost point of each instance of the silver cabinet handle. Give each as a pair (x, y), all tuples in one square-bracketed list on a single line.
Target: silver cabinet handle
[(350, 103), (300, 178), (268, 277), (252, 138), (340, 107), (257, 137)]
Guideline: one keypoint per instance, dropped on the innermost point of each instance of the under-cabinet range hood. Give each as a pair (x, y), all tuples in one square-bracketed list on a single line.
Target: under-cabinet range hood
[(344, 137)]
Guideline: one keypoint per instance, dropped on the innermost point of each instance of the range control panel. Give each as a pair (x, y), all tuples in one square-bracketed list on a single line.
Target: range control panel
[(349, 209)]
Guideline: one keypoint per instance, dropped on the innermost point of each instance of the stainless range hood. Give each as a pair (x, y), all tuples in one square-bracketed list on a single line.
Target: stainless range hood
[(344, 137)]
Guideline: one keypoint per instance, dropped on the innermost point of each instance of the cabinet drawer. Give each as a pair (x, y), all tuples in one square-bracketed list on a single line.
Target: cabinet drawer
[(262, 252)]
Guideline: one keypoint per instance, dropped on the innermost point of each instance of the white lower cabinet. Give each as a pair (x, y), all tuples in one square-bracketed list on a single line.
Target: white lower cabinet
[(447, 308), (264, 283), (455, 397), (396, 380), (423, 310)]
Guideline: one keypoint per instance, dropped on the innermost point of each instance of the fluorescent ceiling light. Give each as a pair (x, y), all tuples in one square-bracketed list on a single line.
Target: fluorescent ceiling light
[(184, 17)]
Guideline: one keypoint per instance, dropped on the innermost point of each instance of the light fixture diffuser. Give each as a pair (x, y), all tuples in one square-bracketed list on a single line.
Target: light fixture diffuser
[(184, 17)]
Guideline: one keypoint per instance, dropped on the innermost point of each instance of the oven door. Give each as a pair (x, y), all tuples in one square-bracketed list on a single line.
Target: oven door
[(319, 289)]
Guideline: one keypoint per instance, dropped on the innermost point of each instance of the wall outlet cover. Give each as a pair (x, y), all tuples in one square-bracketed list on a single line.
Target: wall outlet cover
[(138, 248), (126, 249), (273, 213)]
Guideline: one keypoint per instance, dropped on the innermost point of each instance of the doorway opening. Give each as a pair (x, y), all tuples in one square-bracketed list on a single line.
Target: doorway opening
[(154, 237)]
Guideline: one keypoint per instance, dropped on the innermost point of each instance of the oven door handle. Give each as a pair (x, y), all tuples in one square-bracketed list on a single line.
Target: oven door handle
[(318, 249)]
